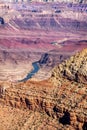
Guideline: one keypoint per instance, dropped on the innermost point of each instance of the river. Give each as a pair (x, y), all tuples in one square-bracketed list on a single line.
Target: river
[(32, 73)]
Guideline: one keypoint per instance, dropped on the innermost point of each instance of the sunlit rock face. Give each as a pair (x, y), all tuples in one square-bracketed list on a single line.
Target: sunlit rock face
[(73, 69)]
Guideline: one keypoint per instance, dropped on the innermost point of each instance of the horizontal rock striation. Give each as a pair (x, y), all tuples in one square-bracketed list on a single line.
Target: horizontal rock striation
[(74, 1), (66, 103)]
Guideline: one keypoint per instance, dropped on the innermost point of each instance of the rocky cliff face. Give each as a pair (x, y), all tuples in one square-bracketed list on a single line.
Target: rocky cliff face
[(50, 60), (73, 69)]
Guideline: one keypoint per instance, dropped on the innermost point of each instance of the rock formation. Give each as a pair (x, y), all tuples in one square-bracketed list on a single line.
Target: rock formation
[(60, 106), (50, 60), (73, 69), (57, 103)]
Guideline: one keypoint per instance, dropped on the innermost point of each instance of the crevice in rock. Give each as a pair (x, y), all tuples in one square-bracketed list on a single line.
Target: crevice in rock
[(65, 119), (27, 102), (85, 126)]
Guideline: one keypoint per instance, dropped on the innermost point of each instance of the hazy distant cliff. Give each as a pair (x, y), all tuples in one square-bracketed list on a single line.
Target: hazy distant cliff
[(75, 1)]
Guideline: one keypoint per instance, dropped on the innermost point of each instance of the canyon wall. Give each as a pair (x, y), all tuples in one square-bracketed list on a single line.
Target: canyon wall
[(74, 1)]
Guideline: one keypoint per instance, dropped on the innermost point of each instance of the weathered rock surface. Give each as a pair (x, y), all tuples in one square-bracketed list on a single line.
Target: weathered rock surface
[(73, 69), (63, 102)]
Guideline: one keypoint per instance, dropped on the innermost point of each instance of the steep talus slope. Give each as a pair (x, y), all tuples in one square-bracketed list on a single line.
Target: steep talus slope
[(73, 69), (16, 119), (49, 22)]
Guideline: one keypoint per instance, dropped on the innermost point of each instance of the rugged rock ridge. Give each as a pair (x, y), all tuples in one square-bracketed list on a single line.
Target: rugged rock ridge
[(73, 69)]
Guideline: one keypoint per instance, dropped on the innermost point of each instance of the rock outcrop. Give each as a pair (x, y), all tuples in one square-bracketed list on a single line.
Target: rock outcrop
[(74, 69), (66, 104), (50, 60)]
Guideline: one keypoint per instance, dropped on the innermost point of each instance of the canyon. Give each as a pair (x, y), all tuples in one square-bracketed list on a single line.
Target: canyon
[(54, 36), (56, 103), (30, 31)]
